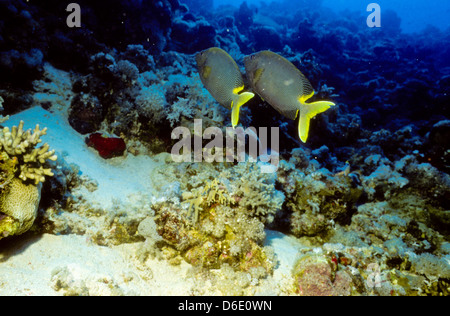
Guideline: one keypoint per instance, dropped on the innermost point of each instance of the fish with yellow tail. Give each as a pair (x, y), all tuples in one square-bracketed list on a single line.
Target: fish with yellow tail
[(277, 81), (223, 79)]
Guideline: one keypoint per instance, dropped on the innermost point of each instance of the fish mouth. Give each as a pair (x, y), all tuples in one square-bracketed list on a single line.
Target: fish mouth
[(2, 216), (200, 59)]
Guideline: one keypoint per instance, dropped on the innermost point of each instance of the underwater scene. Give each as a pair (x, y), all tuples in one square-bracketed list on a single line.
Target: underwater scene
[(224, 148)]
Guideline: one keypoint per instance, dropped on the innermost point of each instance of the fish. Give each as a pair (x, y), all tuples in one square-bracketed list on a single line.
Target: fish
[(277, 81), (223, 79)]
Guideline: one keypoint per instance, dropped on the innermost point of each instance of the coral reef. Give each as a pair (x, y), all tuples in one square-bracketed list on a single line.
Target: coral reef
[(2, 119), (118, 97), (19, 202), (23, 172), (20, 145), (315, 276), (437, 145), (217, 220), (316, 197)]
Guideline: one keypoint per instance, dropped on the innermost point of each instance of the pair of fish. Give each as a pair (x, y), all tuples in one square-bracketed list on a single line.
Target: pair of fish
[(274, 78)]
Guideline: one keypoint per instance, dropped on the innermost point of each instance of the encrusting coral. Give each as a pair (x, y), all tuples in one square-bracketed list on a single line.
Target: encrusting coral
[(317, 198), (22, 173), (19, 202)]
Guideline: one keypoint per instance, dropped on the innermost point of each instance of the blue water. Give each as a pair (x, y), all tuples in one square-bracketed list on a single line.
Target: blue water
[(416, 15)]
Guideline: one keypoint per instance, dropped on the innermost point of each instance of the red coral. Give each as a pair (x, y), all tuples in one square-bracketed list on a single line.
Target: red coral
[(107, 147)]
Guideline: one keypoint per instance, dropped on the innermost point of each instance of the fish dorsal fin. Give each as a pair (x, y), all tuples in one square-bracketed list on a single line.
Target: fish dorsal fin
[(206, 71), (303, 98), (292, 112), (238, 89)]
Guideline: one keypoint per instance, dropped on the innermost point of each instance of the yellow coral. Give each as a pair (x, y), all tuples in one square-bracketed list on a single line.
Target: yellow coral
[(19, 202), (21, 161), (213, 192), (21, 145)]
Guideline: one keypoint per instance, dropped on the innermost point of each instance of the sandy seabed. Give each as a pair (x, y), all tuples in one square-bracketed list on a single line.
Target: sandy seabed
[(45, 264)]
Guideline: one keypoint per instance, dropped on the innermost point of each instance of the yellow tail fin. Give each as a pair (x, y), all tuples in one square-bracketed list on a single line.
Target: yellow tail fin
[(240, 99), (307, 112)]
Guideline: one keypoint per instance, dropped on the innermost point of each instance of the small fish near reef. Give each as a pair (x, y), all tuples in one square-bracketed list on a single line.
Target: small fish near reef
[(222, 77), (277, 81), (107, 147)]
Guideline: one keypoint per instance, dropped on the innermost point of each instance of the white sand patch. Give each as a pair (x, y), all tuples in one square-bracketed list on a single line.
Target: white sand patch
[(287, 252), (49, 264), (34, 267), (286, 248)]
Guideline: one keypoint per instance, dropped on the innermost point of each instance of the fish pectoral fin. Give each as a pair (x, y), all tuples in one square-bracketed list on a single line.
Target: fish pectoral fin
[(206, 72), (257, 75), (307, 112), (236, 105)]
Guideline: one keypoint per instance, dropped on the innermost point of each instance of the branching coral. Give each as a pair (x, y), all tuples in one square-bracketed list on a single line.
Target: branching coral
[(151, 102), (213, 192), (7, 170), (255, 191), (21, 145), (187, 99)]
